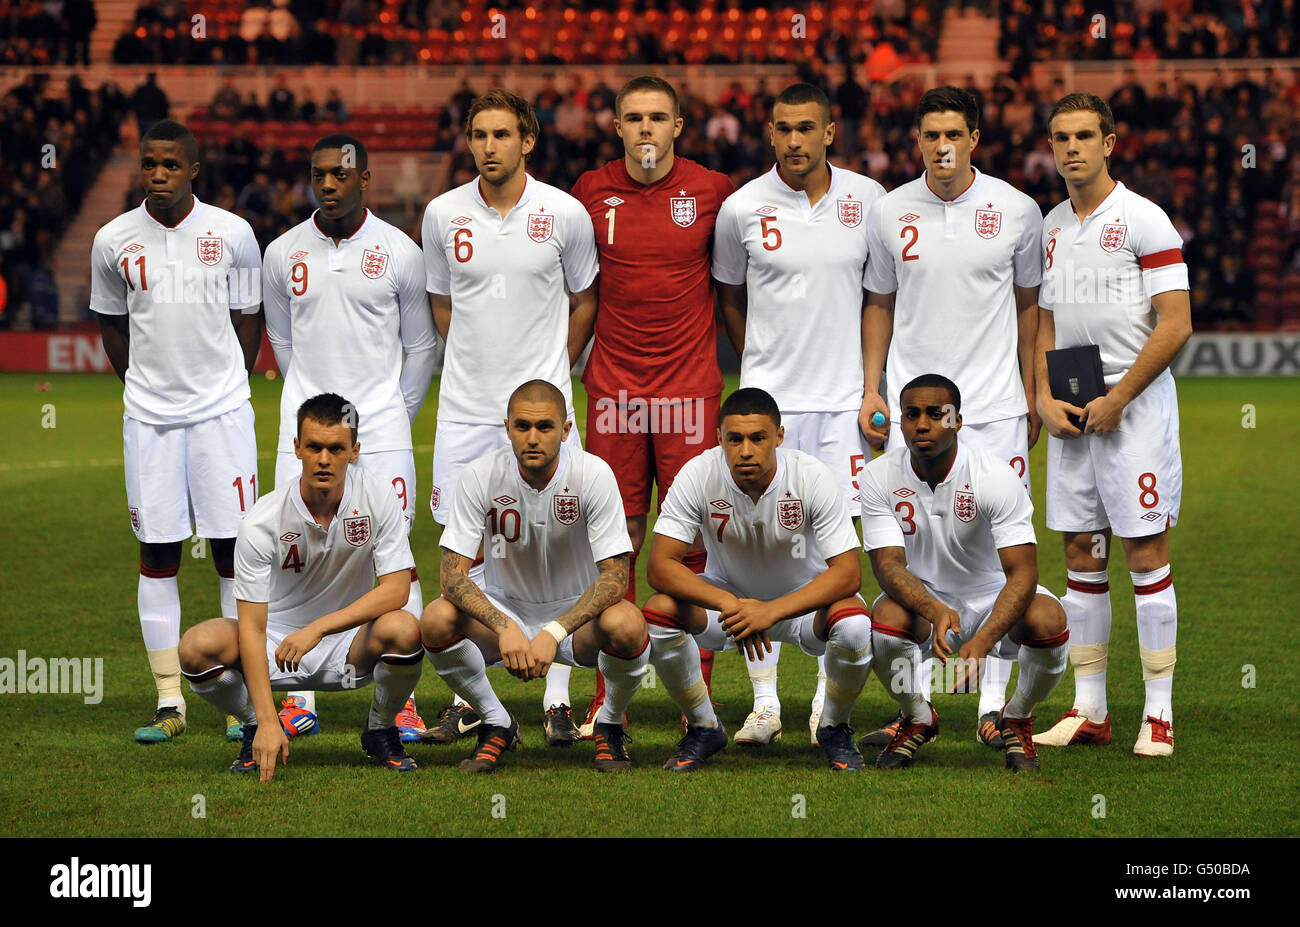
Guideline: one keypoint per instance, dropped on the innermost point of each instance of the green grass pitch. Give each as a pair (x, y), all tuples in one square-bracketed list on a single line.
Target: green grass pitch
[(67, 583)]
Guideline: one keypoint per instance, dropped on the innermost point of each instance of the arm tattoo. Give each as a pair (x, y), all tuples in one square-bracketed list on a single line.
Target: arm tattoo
[(1009, 607), (609, 587), (459, 590), (902, 586)]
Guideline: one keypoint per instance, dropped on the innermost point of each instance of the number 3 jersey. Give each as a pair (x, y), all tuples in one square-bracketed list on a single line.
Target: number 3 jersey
[(951, 534), (539, 546), (302, 571), (765, 549)]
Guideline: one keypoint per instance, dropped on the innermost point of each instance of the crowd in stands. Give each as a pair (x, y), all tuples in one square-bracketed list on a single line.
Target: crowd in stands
[(45, 32), (51, 150)]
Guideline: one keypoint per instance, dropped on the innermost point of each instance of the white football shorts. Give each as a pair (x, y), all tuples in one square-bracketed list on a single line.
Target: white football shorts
[(973, 609), (323, 668), (1130, 480), (532, 617), (183, 480), (835, 439)]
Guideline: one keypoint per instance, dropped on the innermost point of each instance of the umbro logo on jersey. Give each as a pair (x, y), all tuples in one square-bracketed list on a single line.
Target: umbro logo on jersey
[(1152, 516), (904, 492), (910, 217), (461, 220), (613, 201), (505, 500), (133, 247), (298, 255), (1054, 232), (765, 210), (290, 537), (720, 504)]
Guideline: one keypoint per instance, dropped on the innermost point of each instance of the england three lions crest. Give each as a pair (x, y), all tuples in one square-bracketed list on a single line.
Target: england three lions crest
[(540, 227), (356, 531), (1113, 236), (850, 213), (988, 222), (566, 509), (789, 514), (210, 251), (963, 506), (683, 210), (374, 264)]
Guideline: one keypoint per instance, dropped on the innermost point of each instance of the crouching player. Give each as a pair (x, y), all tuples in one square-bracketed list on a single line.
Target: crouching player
[(306, 559), (782, 566), (949, 529), (549, 518)]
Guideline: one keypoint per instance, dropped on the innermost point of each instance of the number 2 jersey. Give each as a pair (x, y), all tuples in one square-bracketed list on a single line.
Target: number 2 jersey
[(302, 571), (765, 549)]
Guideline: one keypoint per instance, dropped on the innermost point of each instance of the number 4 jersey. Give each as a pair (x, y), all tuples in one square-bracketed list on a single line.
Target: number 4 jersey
[(302, 571)]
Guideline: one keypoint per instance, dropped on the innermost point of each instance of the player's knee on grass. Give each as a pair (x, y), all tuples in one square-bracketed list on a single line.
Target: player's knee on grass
[(621, 628), (208, 644), (157, 557), (438, 623), (223, 556), (1044, 618)]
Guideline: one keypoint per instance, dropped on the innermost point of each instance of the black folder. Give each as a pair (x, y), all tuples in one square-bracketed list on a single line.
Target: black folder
[(1074, 375)]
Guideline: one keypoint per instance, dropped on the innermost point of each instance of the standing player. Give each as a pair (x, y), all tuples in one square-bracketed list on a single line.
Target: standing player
[(950, 533), (511, 265), (305, 578), (652, 379), (782, 566), (951, 288), (553, 593), (789, 257), (174, 285), (346, 311), (1123, 471)]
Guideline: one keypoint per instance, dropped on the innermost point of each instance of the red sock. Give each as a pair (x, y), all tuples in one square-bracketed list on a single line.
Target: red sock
[(600, 688), (631, 582), (706, 668)]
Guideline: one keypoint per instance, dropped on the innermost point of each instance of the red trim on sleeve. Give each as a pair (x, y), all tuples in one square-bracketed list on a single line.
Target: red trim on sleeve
[(1161, 259)]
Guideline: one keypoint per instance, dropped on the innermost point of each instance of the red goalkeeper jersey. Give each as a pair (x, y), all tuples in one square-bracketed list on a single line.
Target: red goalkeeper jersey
[(655, 330)]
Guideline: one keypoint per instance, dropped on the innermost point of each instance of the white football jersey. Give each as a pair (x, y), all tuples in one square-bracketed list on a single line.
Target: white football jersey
[(764, 549), (1099, 275), (509, 281), (951, 534), (953, 267), (803, 268), (179, 286), (302, 571), (543, 545), (344, 315)]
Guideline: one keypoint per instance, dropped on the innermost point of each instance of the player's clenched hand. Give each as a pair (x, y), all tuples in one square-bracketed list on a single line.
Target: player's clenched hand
[(294, 647), (970, 661), (875, 434), (1103, 415), (944, 621), (1053, 413), (516, 653), (268, 742), (543, 648)]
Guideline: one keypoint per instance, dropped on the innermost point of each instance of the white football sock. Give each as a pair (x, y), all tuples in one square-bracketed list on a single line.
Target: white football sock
[(623, 677), (1157, 625), (557, 686), (895, 656), (396, 676), (229, 693), (415, 601), (159, 602), (819, 694), (762, 676), (993, 683), (676, 660), (227, 587), (1087, 614), (848, 663), (1041, 668), (462, 668)]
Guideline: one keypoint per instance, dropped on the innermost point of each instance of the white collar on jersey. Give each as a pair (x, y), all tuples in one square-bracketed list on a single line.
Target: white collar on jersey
[(777, 477), (189, 216), (524, 196), (361, 228), (295, 496), (976, 181), (957, 463), (561, 468)]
